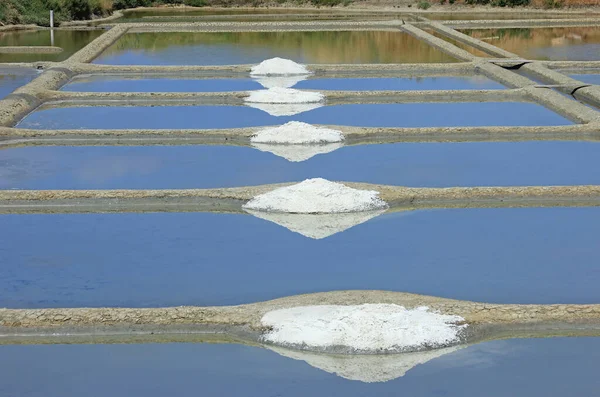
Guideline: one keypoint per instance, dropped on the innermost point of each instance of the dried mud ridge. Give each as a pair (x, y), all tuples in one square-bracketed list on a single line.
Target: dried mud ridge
[(486, 321)]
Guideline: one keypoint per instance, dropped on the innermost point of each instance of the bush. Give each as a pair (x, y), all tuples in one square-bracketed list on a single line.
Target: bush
[(78, 9), (195, 3), (423, 5), (548, 4)]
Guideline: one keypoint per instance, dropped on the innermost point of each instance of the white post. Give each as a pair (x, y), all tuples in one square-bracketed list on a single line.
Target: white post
[(52, 28)]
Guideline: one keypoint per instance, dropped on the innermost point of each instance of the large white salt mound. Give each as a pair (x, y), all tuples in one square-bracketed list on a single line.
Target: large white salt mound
[(279, 81), (278, 66), (285, 109), (316, 196), (368, 328), (296, 132), (284, 95), (368, 368), (317, 226)]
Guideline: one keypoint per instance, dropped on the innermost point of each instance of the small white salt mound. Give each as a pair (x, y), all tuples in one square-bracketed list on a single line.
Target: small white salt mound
[(368, 368), (279, 81), (317, 196), (278, 66), (317, 226), (297, 133), (285, 109), (368, 328), (284, 95)]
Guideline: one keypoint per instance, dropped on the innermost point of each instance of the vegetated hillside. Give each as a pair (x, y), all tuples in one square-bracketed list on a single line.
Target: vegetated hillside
[(37, 11)]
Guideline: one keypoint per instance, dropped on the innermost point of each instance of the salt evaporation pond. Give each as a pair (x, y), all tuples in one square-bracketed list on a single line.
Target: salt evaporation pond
[(410, 164), (587, 78), (70, 41), (167, 48), (13, 78), (360, 115), (172, 259), (164, 84), (535, 367), (556, 44)]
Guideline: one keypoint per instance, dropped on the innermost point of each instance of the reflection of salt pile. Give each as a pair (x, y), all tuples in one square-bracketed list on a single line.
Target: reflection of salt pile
[(367, 368), (279, 81), (317, 226), (317, 196), (297, 141), (368, 328), (296, 153), (279, 101), (285, 109)]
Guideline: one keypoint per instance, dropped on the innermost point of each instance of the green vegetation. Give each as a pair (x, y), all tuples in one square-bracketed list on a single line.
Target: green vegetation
[(500, 3), (549, 4), (423, 5), (38, 11)]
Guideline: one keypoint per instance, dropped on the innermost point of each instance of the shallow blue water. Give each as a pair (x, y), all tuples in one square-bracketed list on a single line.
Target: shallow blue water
[(382, 115), (11, 79), (555, 367), (407, 164), (543, 255), (118, 84), (587, 78)]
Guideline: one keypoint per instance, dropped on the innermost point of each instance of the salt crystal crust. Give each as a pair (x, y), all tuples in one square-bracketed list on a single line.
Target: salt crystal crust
[(296, 132), (316, 196), (284, 95), (278, 66), (368, 328)]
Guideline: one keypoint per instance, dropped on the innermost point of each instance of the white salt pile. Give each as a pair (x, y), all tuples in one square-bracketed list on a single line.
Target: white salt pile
[(279, 81), (285, 109), (278, 66), (317, 196), (368, 328), (297, 133), (368, 368), (284, 95), (317, 226), (297, 153)]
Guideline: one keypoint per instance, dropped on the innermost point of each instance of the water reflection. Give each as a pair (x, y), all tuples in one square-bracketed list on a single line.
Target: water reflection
[(70, 41), (367, 368), (254, 47), (317, 226), (575, 43)]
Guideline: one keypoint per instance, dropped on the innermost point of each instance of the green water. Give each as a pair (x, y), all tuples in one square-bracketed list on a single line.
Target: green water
[(254, 47), (70, 41)]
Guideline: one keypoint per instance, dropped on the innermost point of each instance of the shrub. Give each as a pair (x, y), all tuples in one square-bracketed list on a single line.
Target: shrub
[(548, 4), (423, 5), (78, 9), (195, 3)]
